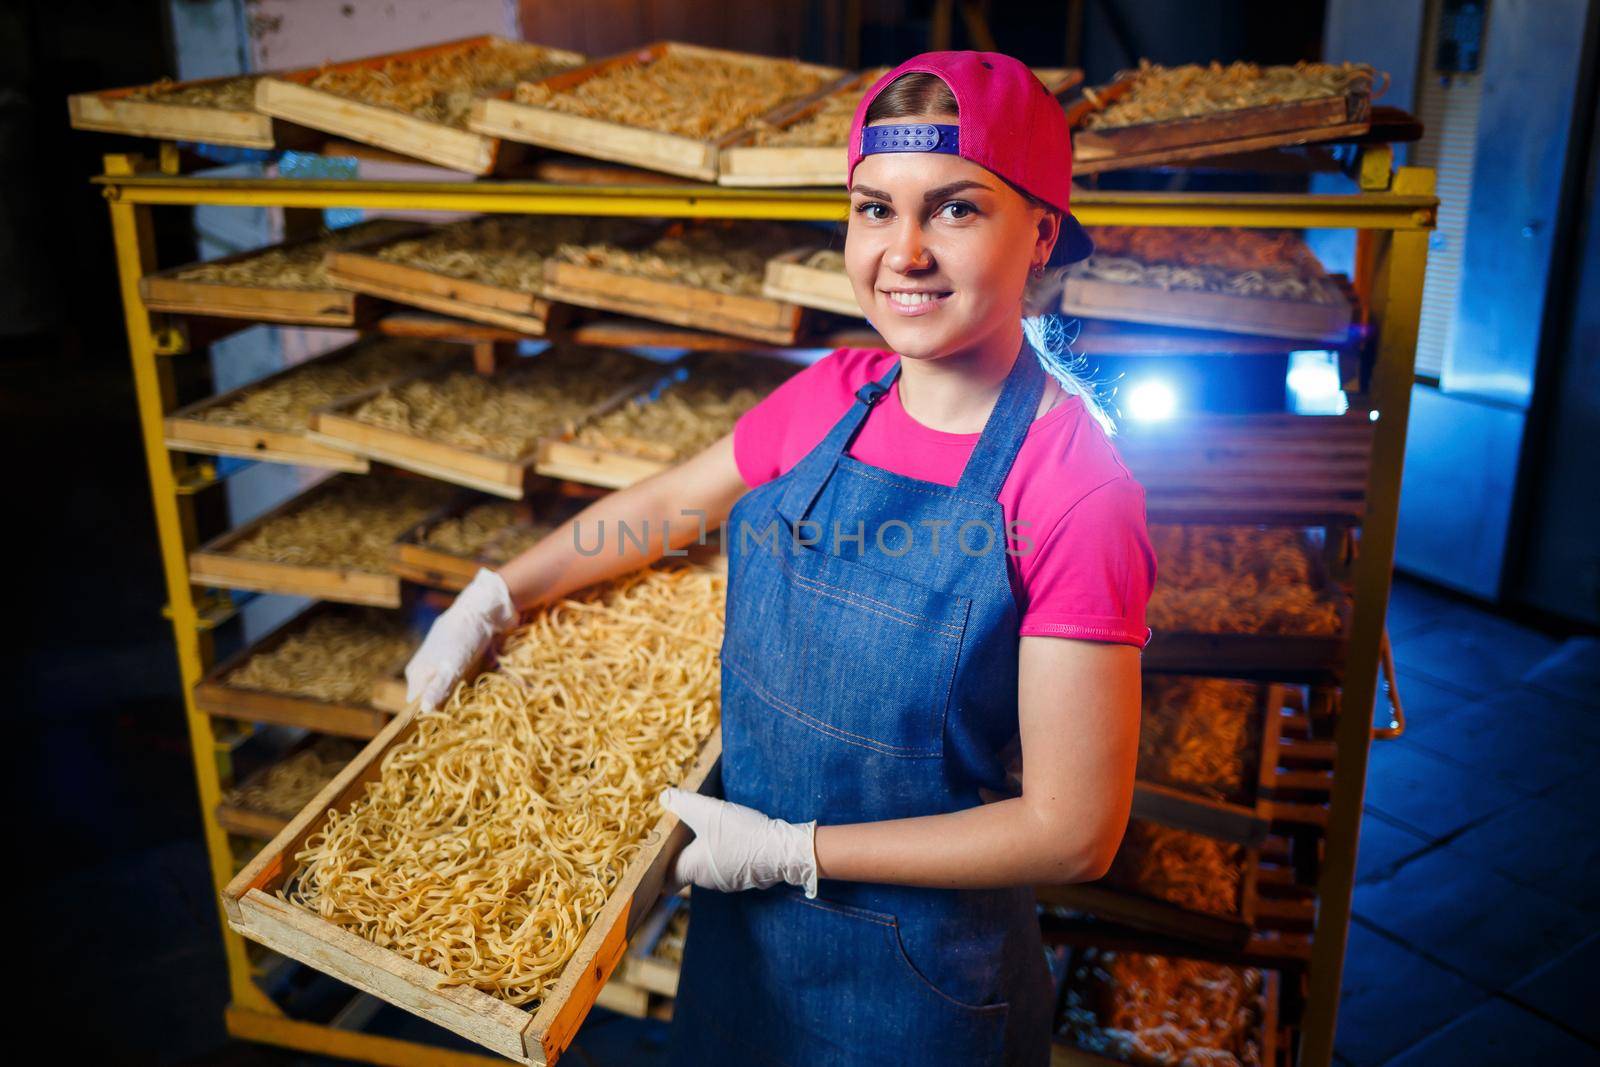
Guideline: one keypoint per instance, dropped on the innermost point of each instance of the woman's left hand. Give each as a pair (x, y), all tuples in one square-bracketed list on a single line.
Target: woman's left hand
[(737, 848)]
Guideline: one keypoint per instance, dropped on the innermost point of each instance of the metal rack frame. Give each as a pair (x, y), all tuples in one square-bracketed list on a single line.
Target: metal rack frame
[(1394, 212)]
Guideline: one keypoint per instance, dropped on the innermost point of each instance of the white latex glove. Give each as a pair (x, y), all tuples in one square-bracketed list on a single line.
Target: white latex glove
[(737, 848), (458, 637)]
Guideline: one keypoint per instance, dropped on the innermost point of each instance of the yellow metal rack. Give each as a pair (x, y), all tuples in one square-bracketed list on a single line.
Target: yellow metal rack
[(1394, 210)]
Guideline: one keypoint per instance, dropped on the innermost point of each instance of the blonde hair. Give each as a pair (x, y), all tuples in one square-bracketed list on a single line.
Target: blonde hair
[(1049, 334)]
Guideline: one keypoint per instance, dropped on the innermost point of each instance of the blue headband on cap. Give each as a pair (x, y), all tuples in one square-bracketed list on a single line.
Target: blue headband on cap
[(915, 137)]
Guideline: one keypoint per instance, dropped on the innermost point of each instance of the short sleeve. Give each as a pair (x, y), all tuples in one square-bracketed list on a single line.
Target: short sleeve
[(765, 435), (1092, 575)]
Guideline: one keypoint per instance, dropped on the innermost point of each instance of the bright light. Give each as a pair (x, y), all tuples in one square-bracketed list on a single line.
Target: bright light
[(1314, 384), (1151, 400)]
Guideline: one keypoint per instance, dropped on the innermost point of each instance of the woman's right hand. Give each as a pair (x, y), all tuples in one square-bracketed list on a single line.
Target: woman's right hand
[(458, 637)]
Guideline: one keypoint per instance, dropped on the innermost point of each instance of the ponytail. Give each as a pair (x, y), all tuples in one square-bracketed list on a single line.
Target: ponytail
[(1051, 335)]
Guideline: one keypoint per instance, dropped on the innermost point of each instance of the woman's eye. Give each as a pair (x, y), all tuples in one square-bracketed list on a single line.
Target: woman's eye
[(866, 208), (962, 206)]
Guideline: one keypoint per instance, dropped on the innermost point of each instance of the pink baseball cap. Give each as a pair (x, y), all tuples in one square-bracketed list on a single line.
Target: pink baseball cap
[(1009, 124)]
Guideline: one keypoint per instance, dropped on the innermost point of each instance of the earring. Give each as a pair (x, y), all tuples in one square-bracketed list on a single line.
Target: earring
[(1037, 270)]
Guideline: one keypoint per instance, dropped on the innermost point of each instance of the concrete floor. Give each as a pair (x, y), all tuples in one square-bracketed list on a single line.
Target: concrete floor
[(1476, 908)]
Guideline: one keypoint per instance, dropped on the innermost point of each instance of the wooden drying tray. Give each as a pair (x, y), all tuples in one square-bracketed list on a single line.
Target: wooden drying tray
[(1260, 316), (1278, 469), (1237, 130), (416, 561), (1063, 1054), (790, 280), (119, 111), (1244, 821), (212, 564), (255, 822), (214, 696), (362, 271), (1151, 913), (290, 96), (330, 305), (689, 157), (759, 318), (743, 163), (540, 1037), (337, 427), (188, 431)]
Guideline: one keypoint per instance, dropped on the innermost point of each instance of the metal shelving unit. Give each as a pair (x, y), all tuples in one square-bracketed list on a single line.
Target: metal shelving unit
[(1394, 210)]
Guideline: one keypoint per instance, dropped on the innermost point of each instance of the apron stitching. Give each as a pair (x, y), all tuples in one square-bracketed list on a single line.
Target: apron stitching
[(784, 707), (865, 469), (911, 617)]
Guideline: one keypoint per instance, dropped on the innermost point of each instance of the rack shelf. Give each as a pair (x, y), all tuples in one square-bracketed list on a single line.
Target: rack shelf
[(1394, 210)]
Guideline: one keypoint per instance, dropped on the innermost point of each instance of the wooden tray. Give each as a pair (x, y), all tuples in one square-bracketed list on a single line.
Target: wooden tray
[(1246, 129), (337, 427), (290, 96), (188, 431), (423, 564), (1244, 821), (1278, 469), (119, 111), (744, 163), (540, 1037), (327, 305), (790, 280), (689, 157), (1204, 310), (1151, 913), (213, 565), (524, 311), (255, 822), (214, 696)]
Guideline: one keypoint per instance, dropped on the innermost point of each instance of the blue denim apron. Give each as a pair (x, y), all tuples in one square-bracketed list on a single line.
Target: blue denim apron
[(869, 675)]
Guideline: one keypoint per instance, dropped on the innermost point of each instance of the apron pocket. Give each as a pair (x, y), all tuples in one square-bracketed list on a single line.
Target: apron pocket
[(874, 658)]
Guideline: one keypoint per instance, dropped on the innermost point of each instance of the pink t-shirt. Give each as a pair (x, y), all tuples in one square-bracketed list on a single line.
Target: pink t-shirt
[(1091, 567)]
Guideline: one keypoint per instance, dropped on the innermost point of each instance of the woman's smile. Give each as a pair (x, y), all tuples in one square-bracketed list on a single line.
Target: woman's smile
[(914, 302)]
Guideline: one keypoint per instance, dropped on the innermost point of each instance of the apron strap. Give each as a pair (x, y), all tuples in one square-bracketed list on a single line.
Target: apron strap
[(811, 473), (1008, 424)]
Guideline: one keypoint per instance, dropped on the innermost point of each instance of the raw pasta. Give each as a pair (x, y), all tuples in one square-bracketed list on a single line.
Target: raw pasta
[(291, 266), (1237, 579), (1163, 93), (290, 784), (352, 524), (338, 656), (1201, 734)]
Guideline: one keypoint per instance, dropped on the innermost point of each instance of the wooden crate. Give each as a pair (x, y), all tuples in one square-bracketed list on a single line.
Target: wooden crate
[(789, 279), (742, 162), (1278, 469), (290, 96), (540, 1037), (415, 560), (236, 816), (124, 111), (1244, 820), (1128, 905), (1222, 133), (526, 311), (187, 429), (566, 457), (215, 696), (213, 564), (1303, 320), (337, 427), (689, 157), (1065, 1054), (327, 304)]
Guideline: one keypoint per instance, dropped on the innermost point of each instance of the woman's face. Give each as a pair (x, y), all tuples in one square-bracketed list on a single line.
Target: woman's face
[(939, 250)]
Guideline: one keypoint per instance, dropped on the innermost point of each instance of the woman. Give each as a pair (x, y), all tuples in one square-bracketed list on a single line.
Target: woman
[(935, 556)]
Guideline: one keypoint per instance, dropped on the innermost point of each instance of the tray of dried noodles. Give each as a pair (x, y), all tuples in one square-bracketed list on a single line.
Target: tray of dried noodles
[(482, 432), (1124, 1007), (485, 269), (205, 111), (503, 926), (706, 274), (637, 436), (803, 142), (812, 277), (318, 670), (1260, 282), (1208, 755), (665, 106), (1157, 115), (1245, 601), (1173, 881), (446, 551), (280, 283), (270, 418), (262, 805), (414, 102), (331, 541)]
